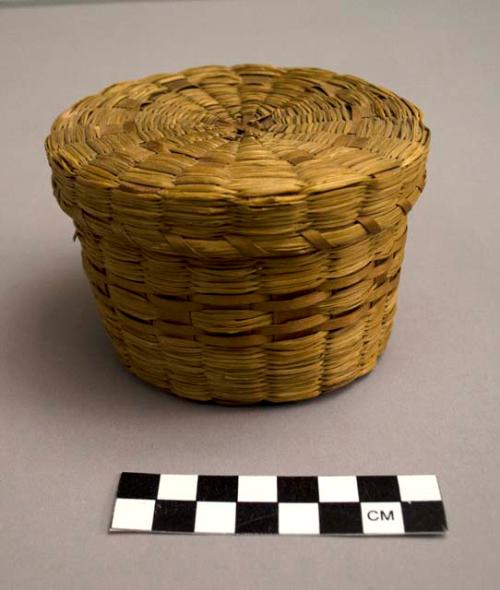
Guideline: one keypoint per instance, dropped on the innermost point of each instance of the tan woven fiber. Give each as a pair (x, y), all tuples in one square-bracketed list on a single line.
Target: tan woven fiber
[(242, 227)]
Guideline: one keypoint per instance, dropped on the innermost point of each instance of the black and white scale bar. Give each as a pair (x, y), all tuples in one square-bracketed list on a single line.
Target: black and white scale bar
[(284, 505)]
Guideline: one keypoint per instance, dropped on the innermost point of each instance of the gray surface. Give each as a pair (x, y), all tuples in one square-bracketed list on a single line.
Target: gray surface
[(72, 419)]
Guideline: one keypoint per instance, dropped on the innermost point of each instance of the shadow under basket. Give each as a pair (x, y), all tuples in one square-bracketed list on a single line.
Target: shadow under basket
[(242, 227)]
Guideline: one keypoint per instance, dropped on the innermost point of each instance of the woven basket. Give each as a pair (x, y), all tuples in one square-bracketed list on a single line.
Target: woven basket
[(242, 227)]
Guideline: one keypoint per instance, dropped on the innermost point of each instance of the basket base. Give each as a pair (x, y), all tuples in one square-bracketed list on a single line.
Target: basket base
[(363, 371)]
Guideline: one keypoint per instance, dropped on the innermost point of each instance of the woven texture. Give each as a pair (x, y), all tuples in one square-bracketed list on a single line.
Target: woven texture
[(242, 227)]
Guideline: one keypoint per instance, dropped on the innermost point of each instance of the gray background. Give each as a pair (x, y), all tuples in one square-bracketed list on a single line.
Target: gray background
[(72, 419)]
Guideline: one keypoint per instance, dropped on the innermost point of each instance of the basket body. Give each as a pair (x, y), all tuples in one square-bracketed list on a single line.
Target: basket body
[(254, 253)]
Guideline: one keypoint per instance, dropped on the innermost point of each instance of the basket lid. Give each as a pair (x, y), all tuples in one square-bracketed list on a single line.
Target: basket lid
[(250, 158)]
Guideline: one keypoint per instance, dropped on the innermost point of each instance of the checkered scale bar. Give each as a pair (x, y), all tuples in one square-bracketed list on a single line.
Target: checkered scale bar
[(284, 505)]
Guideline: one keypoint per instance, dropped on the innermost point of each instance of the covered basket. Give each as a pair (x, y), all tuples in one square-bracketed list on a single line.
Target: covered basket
[(243, 227)]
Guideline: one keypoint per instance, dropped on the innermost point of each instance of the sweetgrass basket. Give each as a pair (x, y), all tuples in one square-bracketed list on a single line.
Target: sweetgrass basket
[(242, 227)]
